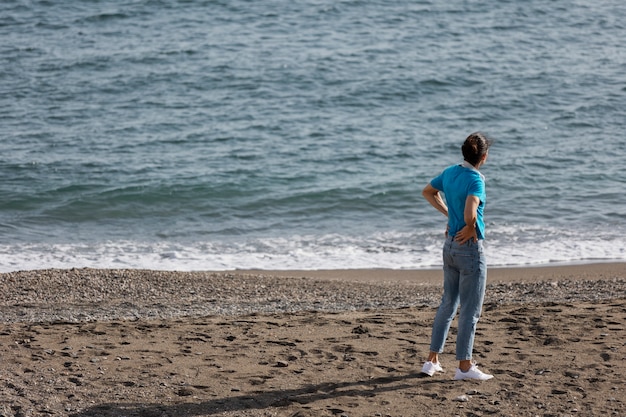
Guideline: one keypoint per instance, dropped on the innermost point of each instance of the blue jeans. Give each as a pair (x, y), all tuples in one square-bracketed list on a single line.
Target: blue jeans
[(464, 281)]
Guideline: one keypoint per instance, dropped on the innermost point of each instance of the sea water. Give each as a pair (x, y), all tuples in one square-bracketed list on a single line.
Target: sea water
[(212, 135)]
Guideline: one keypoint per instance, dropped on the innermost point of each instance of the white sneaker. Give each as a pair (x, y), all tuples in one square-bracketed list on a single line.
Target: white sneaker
[(472, 373), (430, 368)]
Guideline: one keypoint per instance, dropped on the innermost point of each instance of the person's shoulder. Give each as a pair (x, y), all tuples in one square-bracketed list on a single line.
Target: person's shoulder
[(452, 168)]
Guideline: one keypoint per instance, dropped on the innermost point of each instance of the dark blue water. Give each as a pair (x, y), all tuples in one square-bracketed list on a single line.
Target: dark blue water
[(280, 134)]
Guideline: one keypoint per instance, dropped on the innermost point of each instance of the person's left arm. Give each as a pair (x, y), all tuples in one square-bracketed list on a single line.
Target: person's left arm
[(432, 195)]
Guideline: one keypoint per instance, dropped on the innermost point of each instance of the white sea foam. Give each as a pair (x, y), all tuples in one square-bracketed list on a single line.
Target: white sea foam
[(508, 246)]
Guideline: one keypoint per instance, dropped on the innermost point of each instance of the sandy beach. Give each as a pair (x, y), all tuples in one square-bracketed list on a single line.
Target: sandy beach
[(87, 342)]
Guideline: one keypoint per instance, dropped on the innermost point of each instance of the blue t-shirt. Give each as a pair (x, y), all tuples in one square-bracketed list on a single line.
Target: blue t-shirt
[(457, 182)]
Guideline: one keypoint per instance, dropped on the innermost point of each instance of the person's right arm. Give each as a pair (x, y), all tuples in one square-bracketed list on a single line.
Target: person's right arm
[(470, 215)]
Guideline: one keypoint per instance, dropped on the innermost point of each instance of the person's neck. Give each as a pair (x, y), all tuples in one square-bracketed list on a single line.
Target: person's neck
[(468, 165)]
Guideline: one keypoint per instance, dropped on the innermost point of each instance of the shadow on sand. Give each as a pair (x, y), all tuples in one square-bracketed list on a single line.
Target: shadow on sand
[(261, 399)]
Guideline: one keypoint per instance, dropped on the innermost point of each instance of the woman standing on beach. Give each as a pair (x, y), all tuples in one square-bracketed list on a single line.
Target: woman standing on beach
[(464, 265)]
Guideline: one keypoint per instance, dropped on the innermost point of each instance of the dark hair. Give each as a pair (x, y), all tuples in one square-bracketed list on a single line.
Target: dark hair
[(475, 147)]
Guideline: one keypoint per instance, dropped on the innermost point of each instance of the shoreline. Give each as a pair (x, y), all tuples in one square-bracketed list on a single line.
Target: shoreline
[(529, 273), (500, 272)]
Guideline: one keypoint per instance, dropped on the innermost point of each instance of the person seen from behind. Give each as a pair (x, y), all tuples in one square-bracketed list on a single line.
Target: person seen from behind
[(464, 264)]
